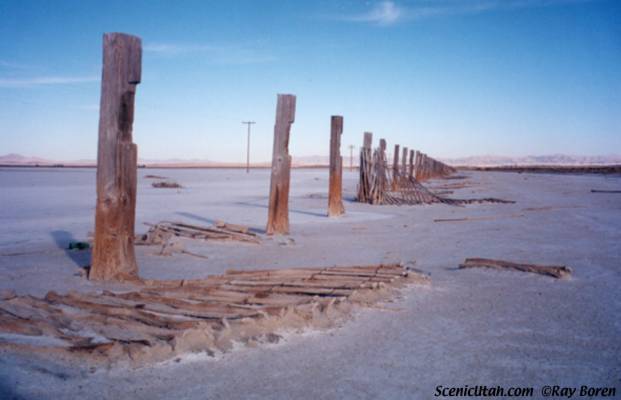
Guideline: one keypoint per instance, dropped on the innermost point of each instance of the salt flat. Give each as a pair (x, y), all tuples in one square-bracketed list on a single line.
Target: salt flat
[(470, 327)]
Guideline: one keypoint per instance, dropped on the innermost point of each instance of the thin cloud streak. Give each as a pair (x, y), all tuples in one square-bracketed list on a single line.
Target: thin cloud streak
[(387, 13), (46, 81), (227, 55), (13, 65), (384, 13)]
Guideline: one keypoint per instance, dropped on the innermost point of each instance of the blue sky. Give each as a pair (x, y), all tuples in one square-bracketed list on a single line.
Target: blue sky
[(450, 77)]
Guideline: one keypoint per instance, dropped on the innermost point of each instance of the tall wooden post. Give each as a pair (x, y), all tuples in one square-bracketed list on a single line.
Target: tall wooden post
[(278, 207), (377, 176), (417, 166), (366, 163), (335, 190), (411, 165), (395, 168), (113, 252), (404, 161), (367, 141), (381, 166)]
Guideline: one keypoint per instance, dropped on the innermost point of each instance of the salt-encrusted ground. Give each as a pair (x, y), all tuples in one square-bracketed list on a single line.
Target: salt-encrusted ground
[(470, 327)]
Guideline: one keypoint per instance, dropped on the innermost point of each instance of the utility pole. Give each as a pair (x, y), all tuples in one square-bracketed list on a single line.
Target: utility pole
[(248, 145), (351, 157)]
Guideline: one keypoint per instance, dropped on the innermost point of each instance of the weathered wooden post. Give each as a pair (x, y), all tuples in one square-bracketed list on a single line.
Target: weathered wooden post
[(378, 178), (366, 165), (278, 207), (430, 168), (417, 166), (335, 190), (367, 142), (381, 167), (395, 168), (113, 252), (404, 161), (423, 167), (411, 165)]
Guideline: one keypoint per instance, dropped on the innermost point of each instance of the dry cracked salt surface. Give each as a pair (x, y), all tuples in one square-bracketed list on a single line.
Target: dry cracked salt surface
[(469, 327)]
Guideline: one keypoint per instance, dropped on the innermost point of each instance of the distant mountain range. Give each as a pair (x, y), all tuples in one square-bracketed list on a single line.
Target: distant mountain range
[(18, 159), (488, 160), (478, 161), (552, 159)]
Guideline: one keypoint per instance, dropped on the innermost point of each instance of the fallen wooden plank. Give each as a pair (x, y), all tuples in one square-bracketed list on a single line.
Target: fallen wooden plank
[(168, 305), (162, 232), (383, 268), (214, 230), (157, 320), (163, 307), (483, 218), (555, 271), (166, 185), (604, 191), (122, 312), (234, 228)]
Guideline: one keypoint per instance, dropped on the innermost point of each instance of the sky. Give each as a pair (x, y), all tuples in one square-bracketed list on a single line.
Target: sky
[(452, 78)]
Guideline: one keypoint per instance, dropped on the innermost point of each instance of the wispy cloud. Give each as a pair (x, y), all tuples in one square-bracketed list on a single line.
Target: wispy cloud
[(46, 81), (385, 13), (217, 54), (13, 65)]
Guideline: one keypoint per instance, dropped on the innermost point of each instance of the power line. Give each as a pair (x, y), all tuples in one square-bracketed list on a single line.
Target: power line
[(249, 123), (351, 157)]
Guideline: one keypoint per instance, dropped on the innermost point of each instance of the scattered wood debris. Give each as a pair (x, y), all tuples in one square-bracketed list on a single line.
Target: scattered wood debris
[(159, 320), (605, 191), (549, 270), (155, 177), (477, 201), (452, 186), (379, 184), (552, 169), (234, 228), (166, 185), (162, 232), (549, 208), (411, 192), (441, 192), (483, 218)]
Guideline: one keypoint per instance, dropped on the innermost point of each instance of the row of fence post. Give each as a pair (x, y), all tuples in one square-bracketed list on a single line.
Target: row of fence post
[(113, 252)]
